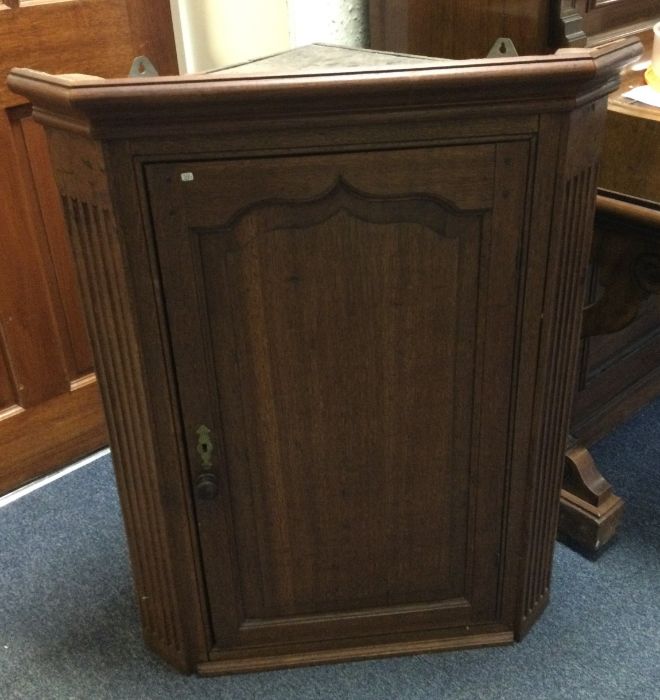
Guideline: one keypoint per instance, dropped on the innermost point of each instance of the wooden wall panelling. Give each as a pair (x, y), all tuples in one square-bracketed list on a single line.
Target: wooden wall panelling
[(152, 34), (455, 29), (78, 351), (592, 22), (458, 29), (100, 37), (55, 248), (50, 410), (29, 323), (607, 19)]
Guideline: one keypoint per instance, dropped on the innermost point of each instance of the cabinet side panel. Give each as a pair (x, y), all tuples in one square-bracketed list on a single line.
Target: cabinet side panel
[(109, 311), (568, 257)]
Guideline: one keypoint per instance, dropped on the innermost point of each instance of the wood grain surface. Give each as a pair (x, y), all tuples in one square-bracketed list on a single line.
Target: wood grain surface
[(337, 340), (50, 411)]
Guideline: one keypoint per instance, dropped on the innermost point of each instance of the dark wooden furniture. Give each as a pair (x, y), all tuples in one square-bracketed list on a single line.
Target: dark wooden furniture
[(619, 362), (50, 406), (619, 366), (594, 22), (617, 371), (622, 371), (458, 29), (333, 297)]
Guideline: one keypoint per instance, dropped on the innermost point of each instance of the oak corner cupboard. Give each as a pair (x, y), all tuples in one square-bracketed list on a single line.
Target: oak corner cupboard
[(334, 298)]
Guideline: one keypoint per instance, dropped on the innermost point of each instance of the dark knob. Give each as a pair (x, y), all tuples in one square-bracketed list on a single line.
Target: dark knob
[(206, 486)]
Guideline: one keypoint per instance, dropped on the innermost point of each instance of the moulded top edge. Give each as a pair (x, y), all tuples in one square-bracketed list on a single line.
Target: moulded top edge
[(259, 69), (565, 74)]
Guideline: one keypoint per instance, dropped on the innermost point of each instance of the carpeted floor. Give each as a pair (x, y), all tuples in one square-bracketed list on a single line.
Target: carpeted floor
[(69, 630)]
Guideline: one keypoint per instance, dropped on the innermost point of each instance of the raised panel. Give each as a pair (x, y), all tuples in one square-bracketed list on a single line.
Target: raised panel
[(55, 246), (331, 405), (50, 411), (30, 334), (464, 176)]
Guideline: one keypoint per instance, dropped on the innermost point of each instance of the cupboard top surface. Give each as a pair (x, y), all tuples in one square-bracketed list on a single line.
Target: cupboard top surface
[(318, 59)]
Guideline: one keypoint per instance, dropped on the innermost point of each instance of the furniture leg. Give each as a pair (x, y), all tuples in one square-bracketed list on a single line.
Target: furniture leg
[(589, 511)]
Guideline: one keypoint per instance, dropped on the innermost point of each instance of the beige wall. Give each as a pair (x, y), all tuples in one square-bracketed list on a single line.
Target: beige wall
[(341, 22), (214, 33)]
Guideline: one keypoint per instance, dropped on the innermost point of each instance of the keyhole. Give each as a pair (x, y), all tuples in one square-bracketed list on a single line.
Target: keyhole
[(502, 47)]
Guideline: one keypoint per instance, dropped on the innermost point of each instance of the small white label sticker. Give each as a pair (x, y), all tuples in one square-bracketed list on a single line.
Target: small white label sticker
[(187, 177)]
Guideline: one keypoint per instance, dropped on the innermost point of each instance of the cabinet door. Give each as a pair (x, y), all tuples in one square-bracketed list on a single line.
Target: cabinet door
[(343, 328)]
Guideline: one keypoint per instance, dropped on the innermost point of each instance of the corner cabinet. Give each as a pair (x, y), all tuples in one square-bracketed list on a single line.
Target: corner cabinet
[(334, 298)]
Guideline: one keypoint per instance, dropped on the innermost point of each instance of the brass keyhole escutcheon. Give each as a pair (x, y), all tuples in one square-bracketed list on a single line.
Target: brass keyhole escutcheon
[(205, 446)]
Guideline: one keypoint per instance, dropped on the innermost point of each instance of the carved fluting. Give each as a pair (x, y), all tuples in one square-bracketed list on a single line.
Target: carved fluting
[(120, 375), (562, 335)]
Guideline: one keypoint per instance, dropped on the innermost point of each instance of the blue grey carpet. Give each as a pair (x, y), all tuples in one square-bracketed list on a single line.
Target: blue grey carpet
[(69, 629)]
